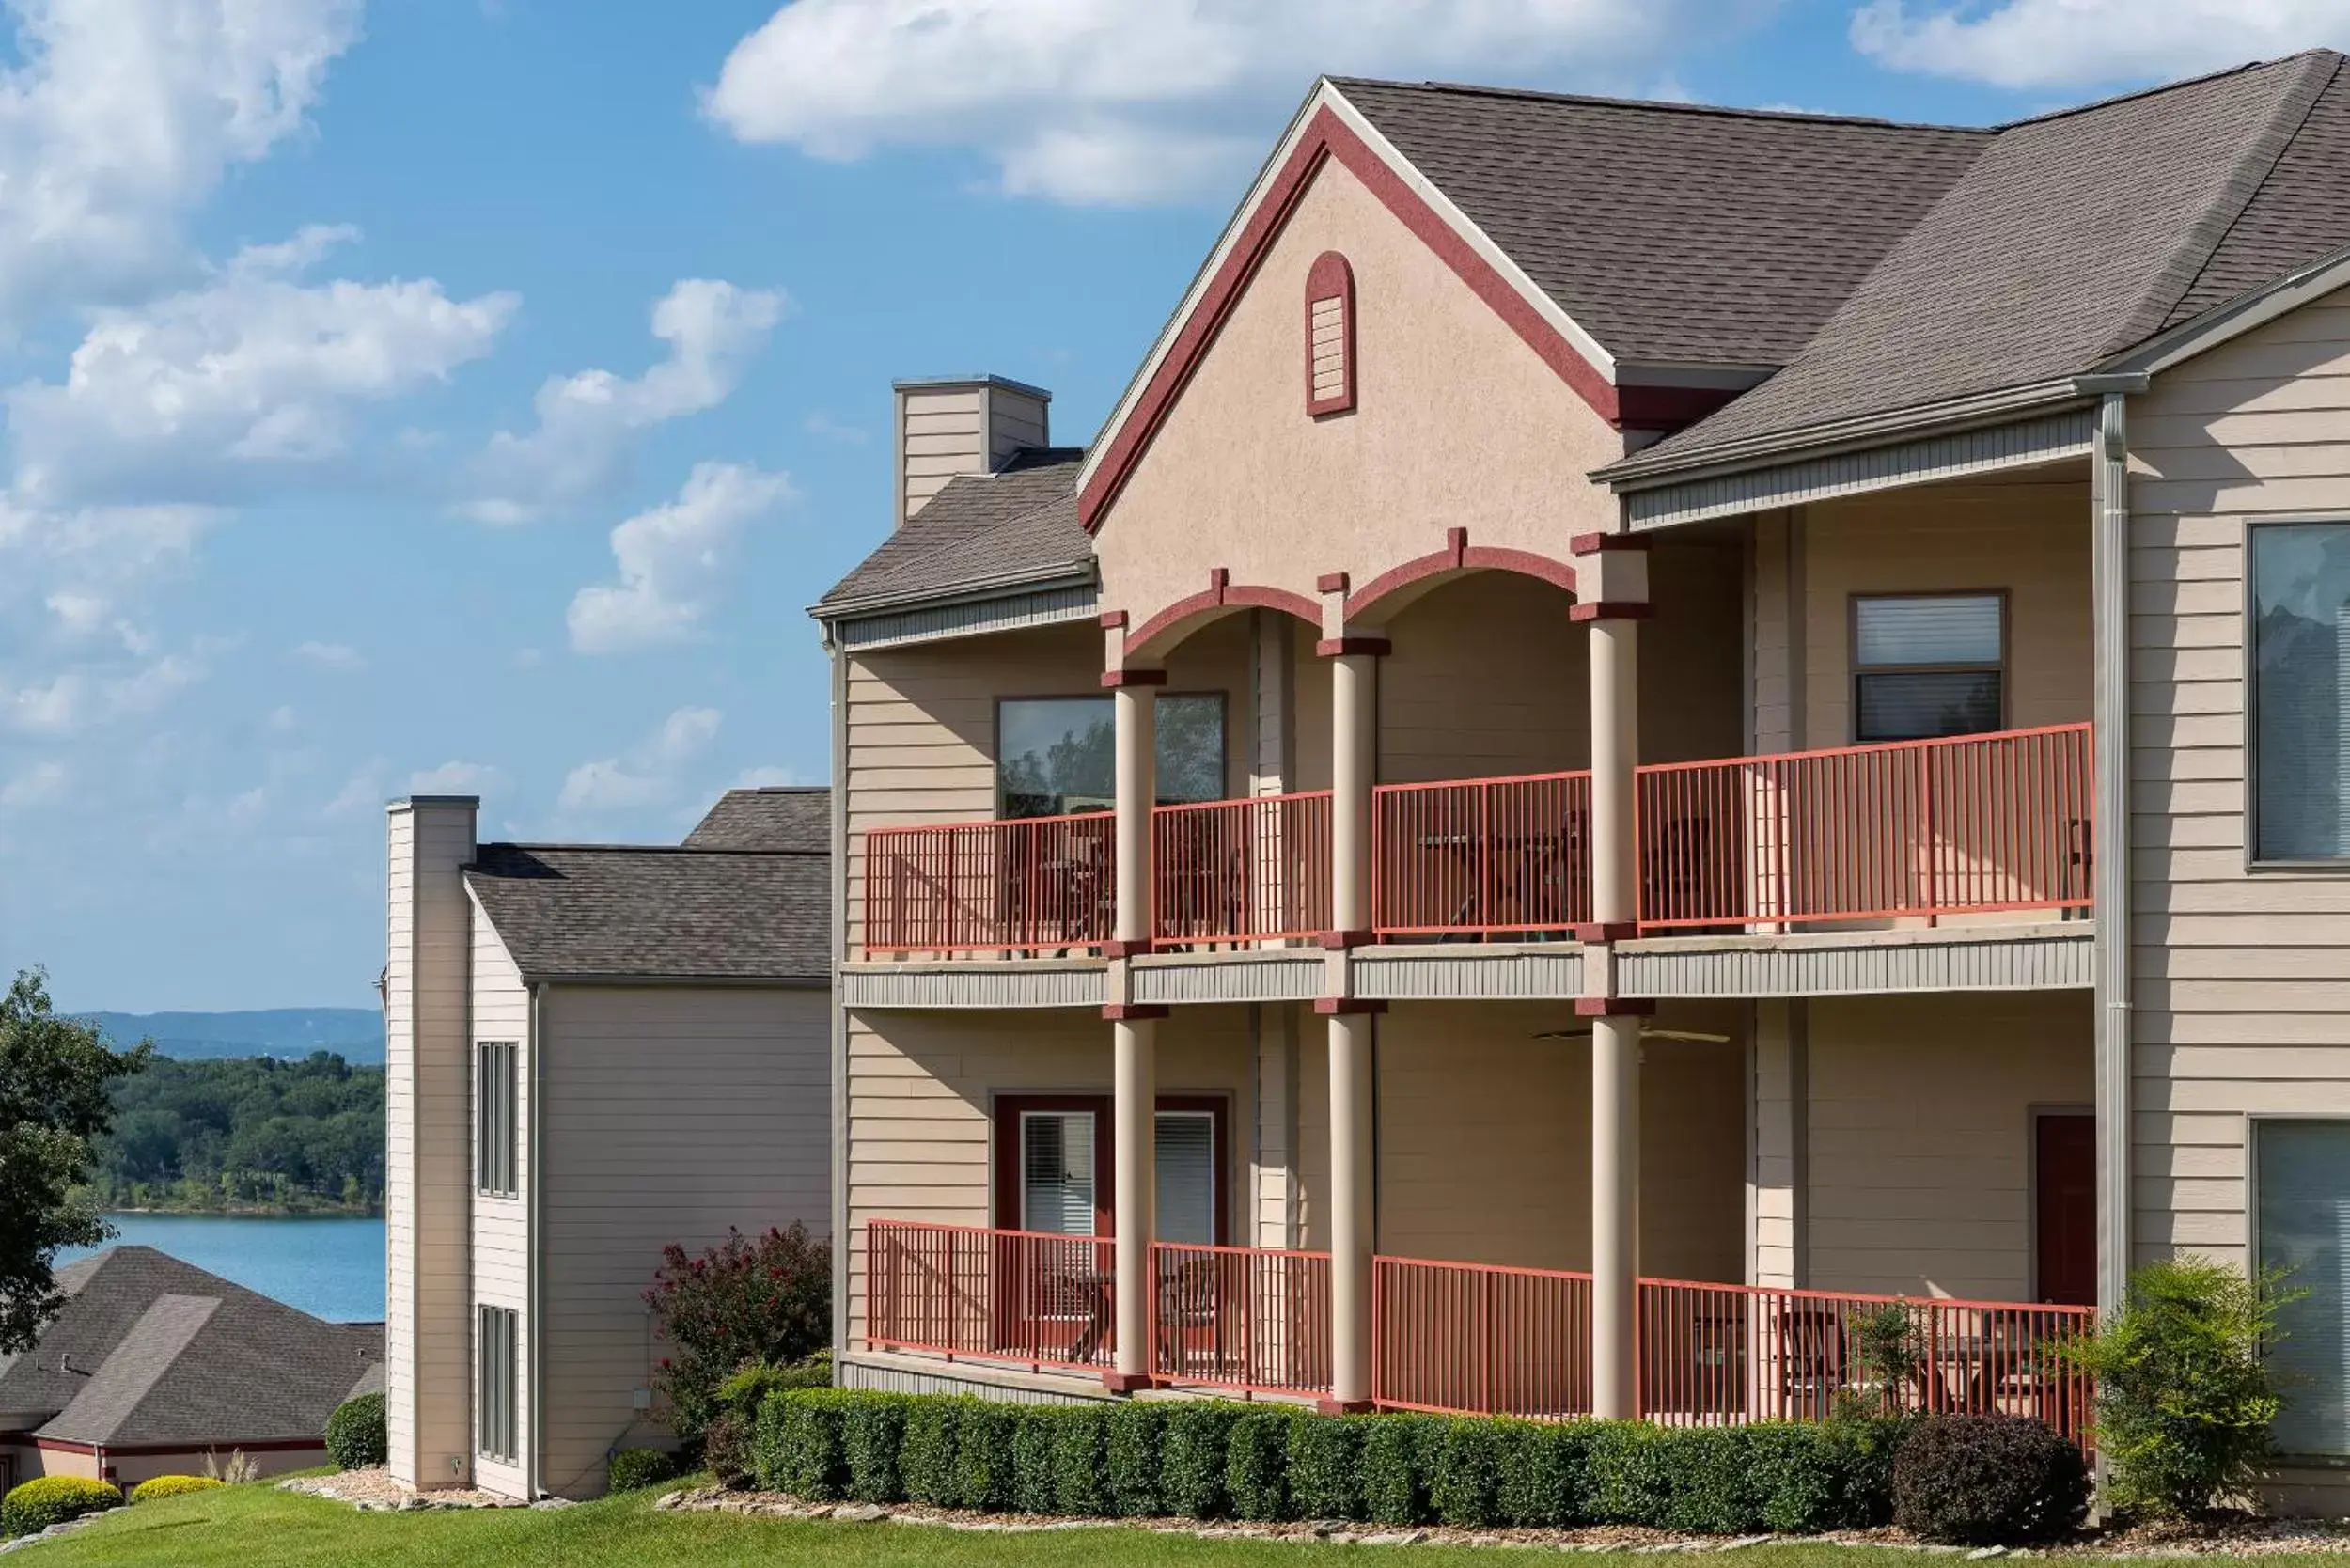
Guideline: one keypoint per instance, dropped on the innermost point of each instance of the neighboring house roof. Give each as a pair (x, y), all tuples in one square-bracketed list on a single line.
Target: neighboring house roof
[(1017, 524), (1672, 233), (777, 817), (150, 1351), (2072, 238), (657, 912)]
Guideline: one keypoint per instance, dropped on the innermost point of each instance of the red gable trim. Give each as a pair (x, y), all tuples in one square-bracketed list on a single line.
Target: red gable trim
[(1327, 136), (1459, 554)]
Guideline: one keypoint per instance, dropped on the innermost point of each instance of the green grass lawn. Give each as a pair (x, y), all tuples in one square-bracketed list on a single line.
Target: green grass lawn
[(260, 1527)]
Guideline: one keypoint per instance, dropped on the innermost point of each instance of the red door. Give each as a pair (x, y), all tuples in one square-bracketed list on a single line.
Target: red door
[(2064, 1208)]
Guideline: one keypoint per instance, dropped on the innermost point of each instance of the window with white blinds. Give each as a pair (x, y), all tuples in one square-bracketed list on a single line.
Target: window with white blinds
[(494, 1386), (2304, 1227), (1186, 1189), (1927, 664), (2300, 690), (496, 1082), (1057, 1172)]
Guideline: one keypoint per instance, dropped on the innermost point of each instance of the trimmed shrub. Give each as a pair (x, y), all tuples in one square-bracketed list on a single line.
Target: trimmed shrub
[(47, 1500), (1861, 1453), (872, 1430), (983, 1455), (763, 1300), (800, 1447), (1628, 1480), (156, 1488), (926, 1462), (1465, 1475), (355, 1435), (1131, 1460), (1032, 1438), (2184, 1395), (1081, 1486), (1395, 1451), (1256, 1466), (1988, 1481), (1325, 1456), (1542, 1470), (629, 1470), (1193, 1458)]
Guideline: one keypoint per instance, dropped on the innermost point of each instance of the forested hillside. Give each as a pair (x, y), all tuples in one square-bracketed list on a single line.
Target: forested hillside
[(257, 1133)]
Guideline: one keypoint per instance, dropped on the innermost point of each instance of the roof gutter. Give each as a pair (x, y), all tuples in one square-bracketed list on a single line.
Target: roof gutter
[(962, 594), (1651, 472)]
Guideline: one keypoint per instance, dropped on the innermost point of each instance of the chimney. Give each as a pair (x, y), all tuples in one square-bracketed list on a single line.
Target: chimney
[(427, 1176), (953, 425)]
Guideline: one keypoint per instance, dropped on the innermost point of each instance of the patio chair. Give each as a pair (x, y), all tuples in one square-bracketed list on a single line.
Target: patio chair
[(1190, 1310)]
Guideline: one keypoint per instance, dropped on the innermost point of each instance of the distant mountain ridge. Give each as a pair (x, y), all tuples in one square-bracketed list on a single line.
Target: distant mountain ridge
[(356, 1034)]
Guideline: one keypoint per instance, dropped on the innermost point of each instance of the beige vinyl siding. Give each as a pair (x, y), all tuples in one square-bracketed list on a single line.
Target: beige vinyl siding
[(671, 1113), (941, 432), (2240, 1002), (2029, 539), (921, 721), (1920, 1136), (429, 1165), (501, 1226), (921, 1091), (1484, 1140)]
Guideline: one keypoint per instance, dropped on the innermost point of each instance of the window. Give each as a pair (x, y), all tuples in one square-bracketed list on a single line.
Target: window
[(1056, 1174), (1185, 1199), (1926, 665), (1056, 755), (1329, 336), (2303, 1177), (493, 1099), (2300, 695), (493, 1388)]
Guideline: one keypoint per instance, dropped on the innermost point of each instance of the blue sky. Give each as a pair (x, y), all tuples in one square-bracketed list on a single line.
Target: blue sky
[(471, 394)]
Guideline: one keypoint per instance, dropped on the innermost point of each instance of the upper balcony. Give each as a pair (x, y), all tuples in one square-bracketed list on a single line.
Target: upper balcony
[(1911, 832)]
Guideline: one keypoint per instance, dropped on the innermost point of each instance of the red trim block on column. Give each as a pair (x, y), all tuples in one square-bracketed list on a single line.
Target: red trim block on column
[(1326, 137)]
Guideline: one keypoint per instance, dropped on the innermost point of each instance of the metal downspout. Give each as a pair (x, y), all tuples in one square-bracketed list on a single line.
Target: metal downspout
[(841, 1248), (2111, 848), (534, 1480)]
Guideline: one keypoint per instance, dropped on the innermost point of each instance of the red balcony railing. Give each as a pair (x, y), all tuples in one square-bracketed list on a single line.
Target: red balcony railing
[(1232, 871), (1973, 823), (1007, 1295), (1476, 1339), (1027, 885), (1492, 856), (1725, 1354), (1241, 1317)]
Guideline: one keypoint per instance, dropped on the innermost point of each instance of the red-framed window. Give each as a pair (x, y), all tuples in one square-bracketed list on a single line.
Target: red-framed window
[(1055, 1164)]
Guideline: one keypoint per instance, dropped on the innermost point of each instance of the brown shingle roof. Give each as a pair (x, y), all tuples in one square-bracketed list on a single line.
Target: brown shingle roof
[(657, 912), (777, 817), (1016, 524), (1674, 233), (2072, 237)]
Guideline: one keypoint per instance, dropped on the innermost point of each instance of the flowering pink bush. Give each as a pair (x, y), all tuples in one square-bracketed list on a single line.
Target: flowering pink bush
[(764, 1300)]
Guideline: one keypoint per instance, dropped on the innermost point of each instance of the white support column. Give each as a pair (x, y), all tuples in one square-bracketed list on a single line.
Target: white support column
[(1354, 764), (1615, 758), (1615, 1215), (1351, 1206), (1134, 709), (1135, 1134)]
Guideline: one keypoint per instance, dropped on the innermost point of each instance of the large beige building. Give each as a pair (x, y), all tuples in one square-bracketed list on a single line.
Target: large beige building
[(593, 1051), (1648, 725)]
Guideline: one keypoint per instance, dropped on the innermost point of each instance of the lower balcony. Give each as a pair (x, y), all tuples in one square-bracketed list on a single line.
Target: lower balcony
[(1983, 825), (1462, 1338)]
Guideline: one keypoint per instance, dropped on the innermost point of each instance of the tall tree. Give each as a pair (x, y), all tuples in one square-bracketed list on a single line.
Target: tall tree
[(55, 1076)]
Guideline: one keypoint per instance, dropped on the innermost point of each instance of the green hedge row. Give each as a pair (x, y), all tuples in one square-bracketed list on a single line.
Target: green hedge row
[(1215, 1460)]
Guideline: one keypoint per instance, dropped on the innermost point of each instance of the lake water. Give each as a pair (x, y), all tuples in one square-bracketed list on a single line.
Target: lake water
[(328, 1267)]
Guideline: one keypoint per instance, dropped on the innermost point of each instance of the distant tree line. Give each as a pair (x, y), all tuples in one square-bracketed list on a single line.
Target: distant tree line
[(200, 1136)]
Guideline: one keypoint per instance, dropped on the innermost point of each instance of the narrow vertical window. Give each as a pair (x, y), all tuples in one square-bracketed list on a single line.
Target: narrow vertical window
[(2300, 691), (1329, 336), (1057, 1172), (495, 1085), (1186, 1189), (494, 1421), (2303, 1181)]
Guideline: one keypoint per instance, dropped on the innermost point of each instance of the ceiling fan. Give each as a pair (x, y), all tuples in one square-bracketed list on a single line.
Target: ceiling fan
[(1694, 1037)]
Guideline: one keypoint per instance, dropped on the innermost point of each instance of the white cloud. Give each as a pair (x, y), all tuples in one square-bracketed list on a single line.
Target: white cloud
[(2065, 43), (825, 427), (42, 784), (338, 656), (673, 560), (648, 774), (282, 720), (202, 395), (713, 329), (452, 778), (1112, 100), (121, 117), (86, 695), (362, 792), (766, 779)]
